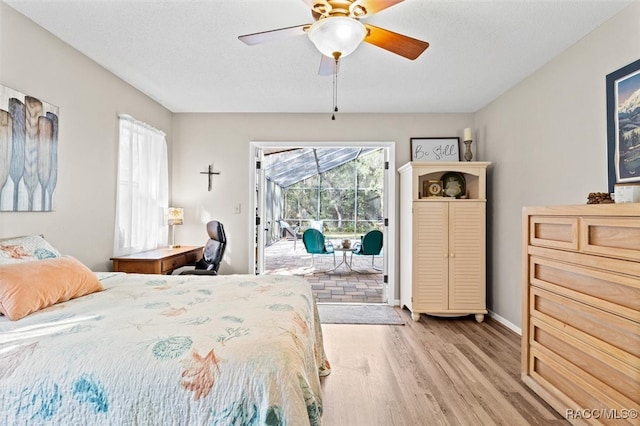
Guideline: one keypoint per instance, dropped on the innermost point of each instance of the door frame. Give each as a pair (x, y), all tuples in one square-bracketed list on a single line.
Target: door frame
[(256, 204)]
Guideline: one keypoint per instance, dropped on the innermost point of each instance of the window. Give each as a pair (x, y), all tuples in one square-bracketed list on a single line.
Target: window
[(347, 196), (142, 192)]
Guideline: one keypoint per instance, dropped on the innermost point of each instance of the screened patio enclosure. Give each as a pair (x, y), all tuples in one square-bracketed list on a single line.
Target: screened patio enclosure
[(338, 190)]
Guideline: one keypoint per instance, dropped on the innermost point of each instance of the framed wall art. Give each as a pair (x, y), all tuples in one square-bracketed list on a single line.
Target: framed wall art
[(623, 124), (28, 152), (435, 149)]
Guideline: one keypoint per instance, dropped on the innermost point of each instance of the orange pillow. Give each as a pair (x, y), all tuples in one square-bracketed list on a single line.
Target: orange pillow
[(30, 286)]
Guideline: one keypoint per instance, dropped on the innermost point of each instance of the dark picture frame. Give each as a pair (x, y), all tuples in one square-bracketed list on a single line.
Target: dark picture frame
[(623, 125), (435, 149)]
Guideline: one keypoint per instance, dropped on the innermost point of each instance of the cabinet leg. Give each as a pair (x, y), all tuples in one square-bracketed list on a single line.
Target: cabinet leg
[(415, 316), (479, 317)]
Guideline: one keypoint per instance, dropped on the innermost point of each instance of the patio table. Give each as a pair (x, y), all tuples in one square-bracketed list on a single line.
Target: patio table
[(340, 248)]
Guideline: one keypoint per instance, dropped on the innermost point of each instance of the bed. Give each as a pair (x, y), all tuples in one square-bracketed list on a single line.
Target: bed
[(167, 350)]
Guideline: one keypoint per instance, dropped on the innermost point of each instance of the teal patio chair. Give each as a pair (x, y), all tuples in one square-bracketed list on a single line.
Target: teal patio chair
[(370, 245), (315, 243)]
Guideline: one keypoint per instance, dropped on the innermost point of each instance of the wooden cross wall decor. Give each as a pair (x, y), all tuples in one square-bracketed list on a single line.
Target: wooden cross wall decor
[(210, 173)]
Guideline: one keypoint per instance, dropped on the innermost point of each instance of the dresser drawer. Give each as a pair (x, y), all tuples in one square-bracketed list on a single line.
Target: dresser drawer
[(584, 356), (604, 236), (575, 389), (610, 291), (173, 263), (619, 376), (556, 232), (615, 237), (611, 334)]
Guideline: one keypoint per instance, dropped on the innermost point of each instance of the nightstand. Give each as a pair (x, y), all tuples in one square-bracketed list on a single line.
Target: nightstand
[(159, 261)]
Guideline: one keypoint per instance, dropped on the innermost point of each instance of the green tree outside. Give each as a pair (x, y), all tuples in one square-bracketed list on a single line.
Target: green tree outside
[(348, 199)]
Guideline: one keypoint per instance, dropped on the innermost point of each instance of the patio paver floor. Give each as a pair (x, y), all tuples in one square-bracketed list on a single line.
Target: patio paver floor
[(341, 285)]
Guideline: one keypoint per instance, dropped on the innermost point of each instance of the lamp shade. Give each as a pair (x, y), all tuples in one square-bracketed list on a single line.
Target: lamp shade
[(175, 216), (337, 34)]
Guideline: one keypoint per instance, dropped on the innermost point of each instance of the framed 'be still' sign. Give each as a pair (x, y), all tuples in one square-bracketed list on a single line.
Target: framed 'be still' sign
[(435, 149)]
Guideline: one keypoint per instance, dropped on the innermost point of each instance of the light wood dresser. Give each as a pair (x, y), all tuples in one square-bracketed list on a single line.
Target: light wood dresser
[(581, 310)]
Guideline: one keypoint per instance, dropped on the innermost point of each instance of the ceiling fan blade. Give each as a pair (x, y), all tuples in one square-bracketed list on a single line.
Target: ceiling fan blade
[(396, 43), (272, 35), (375, 6), (327, 65)]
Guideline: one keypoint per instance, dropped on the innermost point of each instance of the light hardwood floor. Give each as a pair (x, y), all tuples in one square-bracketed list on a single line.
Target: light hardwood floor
[(438, 371)]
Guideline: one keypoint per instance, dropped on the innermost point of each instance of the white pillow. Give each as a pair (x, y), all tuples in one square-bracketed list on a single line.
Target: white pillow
[(24, 249)]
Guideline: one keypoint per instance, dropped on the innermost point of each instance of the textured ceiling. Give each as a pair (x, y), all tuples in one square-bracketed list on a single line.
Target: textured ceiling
[(185, 54)]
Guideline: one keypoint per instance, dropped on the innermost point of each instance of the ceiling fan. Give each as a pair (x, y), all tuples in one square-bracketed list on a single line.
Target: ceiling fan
[(337, 31)]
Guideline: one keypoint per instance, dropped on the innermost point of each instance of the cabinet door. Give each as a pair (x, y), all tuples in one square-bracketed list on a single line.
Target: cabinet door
[(430, 251), (467, 255)]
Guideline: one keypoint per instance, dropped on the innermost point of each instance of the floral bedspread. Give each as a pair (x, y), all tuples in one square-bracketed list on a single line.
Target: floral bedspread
[(168, 350)]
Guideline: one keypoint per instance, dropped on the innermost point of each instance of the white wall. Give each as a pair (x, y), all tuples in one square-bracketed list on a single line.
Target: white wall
[(90, 98), (200, 139), (547, 138)]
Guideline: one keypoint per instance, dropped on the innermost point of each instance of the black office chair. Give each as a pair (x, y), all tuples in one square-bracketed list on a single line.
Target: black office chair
[(212, 253)]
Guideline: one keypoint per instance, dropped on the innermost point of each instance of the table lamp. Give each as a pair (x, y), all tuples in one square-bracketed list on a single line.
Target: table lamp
[(175, 216)]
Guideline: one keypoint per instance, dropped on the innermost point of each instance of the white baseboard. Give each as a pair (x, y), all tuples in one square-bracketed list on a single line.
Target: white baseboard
[(493, 315), (506, 323)]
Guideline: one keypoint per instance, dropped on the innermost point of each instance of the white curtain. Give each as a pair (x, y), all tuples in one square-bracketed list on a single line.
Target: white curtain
[(143, 188)]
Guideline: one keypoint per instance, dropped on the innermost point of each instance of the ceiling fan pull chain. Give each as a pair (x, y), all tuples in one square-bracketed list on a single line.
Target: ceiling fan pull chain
[(335, 96), (335, 87)]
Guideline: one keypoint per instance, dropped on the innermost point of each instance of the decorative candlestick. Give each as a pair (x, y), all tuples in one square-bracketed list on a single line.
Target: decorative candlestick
[(467, 150), (467, 144)]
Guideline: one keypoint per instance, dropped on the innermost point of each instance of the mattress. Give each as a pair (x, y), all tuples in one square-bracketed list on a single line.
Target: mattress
[(168, 350)]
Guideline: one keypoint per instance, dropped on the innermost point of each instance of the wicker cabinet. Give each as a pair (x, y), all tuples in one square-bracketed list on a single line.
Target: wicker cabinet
[(581, 310), (442, 242)]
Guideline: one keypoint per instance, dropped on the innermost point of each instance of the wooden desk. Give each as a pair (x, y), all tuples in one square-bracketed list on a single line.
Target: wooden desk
[(159, 261)]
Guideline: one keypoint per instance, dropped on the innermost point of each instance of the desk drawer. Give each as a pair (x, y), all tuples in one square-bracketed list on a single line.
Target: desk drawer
[(173, 263), (192, 257), (135, 267)]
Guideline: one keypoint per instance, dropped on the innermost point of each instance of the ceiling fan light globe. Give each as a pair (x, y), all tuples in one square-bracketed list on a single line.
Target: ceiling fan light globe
[(337, 34)]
